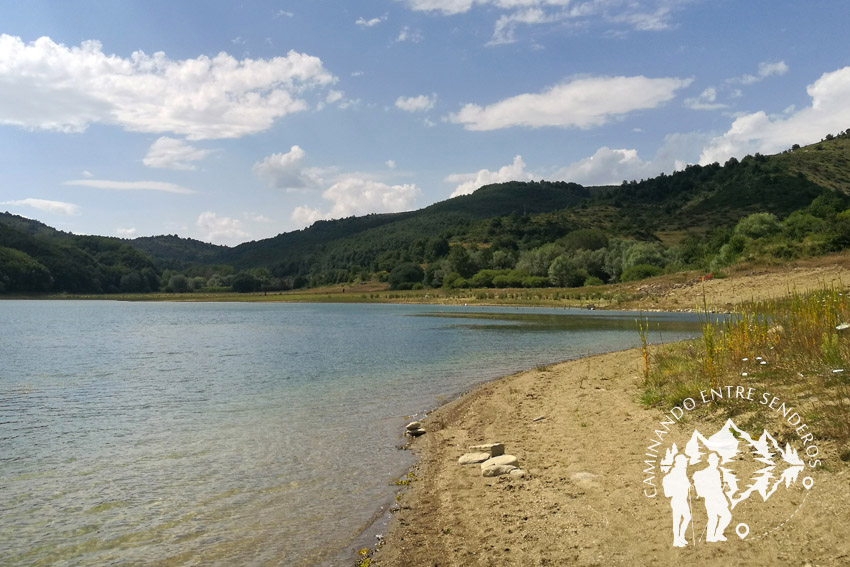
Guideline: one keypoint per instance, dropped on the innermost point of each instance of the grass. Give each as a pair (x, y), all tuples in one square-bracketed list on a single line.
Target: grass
[(797, 348)]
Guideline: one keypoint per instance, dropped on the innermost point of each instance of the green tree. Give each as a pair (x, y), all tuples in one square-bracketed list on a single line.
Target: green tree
[(758, 225), (405, 275), (565, 273), (178, 283), (243, 282)]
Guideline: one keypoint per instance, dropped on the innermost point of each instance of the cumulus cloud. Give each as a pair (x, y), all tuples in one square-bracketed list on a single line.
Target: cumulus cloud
[(707, 100), (581, 103), (49, 86), (131, 185), (221, 229), (55, 207), (126, 232), (419, 103), (609, 166), (766, 69), (763, 133), (171, 153), (287, 171), (359, 196), (469, 182)]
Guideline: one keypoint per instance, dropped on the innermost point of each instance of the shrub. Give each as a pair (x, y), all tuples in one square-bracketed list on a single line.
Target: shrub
[(640, 272)]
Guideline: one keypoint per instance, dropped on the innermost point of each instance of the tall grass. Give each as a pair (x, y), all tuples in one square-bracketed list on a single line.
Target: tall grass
[(796, 347)]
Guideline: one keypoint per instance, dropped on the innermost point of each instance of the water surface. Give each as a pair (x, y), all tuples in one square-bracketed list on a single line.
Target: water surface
[(239, 434)]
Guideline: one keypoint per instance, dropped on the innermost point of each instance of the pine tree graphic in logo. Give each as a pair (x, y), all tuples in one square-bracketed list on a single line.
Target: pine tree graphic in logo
[(709, 474)]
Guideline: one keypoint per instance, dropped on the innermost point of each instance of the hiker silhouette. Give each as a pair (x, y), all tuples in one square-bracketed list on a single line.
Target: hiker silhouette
[(677, 487), (708, 483)]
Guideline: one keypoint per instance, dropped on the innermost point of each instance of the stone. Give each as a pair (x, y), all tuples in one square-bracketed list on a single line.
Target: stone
[(586, 479), (470, 458), (493, 449), (497, 470), (413, 425), (500, 460), (518, 473)]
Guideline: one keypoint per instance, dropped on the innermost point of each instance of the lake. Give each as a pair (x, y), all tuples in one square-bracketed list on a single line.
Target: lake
[(237, 433)]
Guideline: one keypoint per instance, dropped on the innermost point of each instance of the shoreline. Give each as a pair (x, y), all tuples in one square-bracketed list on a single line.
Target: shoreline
[(580, 503)]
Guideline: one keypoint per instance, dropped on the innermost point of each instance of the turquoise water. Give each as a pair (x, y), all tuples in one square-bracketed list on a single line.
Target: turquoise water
[(239, 434)]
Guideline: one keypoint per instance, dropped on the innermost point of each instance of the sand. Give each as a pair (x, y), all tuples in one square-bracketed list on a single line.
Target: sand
[(583, 501)]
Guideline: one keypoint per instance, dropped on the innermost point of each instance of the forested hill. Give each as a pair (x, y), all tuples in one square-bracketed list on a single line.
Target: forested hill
[(509, 234)]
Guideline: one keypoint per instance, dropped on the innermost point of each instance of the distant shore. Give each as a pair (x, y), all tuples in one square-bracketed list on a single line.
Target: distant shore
[(685, 291)]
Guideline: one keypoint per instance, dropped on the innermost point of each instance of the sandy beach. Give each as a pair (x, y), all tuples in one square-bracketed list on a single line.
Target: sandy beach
[(581, 434)]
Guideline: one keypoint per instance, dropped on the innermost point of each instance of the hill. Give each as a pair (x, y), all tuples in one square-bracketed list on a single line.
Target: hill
[(511, 234)]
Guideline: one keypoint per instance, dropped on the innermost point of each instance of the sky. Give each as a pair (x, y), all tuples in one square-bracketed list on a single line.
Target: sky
[(236, 121)]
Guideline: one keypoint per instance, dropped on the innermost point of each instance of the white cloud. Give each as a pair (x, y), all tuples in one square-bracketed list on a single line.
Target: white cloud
[(390, 163), (419, 103), (760, 132), (334, 96), (305, 216), (364, 23), (283, 14), (359, 196), (469, 182), (131, 185), (506, 24), (581, 103), (707, 100), (126, 232), (607, 167), (49, 86), (56, 207), (766, 69), (286, 171), (171, 153), (254, 217), (221, 229), (406, 34), (638, 15), (611, 166), (86, 173)]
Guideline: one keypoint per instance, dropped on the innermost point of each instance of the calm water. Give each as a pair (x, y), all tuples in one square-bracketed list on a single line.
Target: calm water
[(239, 434)]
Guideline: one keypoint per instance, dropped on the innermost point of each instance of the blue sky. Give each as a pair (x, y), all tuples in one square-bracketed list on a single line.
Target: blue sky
[(229, 121)]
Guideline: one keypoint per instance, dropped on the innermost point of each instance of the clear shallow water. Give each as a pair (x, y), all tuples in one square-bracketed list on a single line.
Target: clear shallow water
[(239, 434)]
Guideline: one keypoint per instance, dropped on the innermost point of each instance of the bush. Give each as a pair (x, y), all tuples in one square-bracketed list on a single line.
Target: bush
[(535, 281), (757, 225), (593, 280), (640, 272)]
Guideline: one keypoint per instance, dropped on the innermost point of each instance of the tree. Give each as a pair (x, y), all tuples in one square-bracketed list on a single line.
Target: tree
[(244, 282), (405, 275), (178, 283), (758, 225), (565, 273)]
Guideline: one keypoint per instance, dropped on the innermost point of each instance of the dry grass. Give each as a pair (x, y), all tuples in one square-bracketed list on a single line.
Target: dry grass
[(796, 347)]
